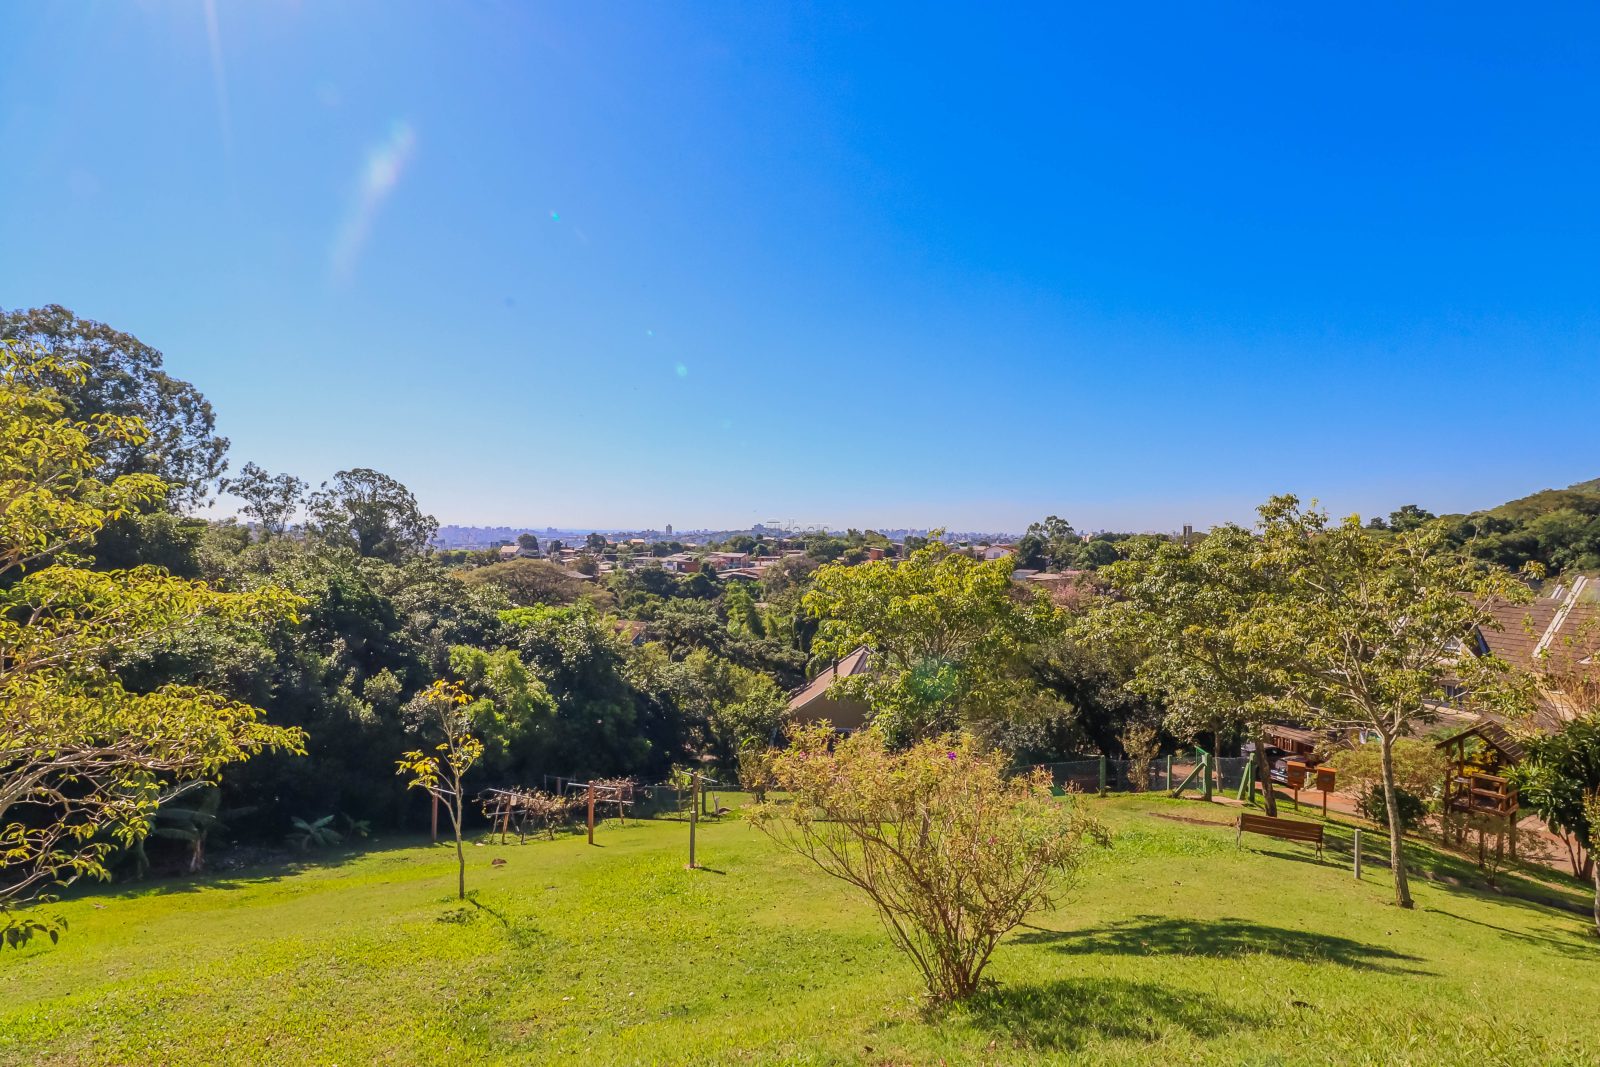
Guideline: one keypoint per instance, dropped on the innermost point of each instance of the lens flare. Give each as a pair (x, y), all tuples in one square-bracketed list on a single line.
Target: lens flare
[(682, 371), (385, 165)]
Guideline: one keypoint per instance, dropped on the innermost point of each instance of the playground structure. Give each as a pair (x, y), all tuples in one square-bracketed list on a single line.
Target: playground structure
[(1478, 795)]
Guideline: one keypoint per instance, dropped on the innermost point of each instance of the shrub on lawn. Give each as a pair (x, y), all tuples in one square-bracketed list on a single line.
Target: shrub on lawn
[(952, 851), (1419, 770), (1411, 810)]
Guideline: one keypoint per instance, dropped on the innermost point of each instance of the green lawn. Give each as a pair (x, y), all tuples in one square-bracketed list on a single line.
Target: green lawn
[(1177, 949)]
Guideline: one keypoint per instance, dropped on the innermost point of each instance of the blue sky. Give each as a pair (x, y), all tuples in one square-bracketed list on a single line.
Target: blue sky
[(710, 264)]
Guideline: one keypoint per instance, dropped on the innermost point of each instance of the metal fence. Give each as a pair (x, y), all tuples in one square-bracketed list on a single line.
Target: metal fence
[(1122, 776)]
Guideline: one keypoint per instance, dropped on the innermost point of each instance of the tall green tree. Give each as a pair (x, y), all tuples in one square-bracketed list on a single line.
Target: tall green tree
[(371, 514), (269, 499), (1373, 626), (121, 376)]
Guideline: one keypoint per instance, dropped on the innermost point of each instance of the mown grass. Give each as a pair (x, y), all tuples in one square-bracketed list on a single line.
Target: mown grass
[(1177, 948)]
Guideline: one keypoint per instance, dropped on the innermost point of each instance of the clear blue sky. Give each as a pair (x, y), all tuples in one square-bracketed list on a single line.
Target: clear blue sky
[(708, 264)]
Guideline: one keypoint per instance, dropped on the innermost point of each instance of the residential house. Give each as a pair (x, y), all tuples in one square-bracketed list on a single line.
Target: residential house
[(815, 702)]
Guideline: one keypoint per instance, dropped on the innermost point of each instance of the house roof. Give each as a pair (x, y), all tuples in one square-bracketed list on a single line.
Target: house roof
[(1566, 624), (848, 667), (1493, 734)]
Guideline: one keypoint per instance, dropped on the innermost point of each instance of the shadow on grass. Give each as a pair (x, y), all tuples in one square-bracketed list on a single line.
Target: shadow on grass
[(1152, 935), (1566, 945), (1063, 1015)]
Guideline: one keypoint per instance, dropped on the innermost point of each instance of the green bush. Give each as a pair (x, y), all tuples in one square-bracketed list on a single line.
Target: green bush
[(1412, 808)]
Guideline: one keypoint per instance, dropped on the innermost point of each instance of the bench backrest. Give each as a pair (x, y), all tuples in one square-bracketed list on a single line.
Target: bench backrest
[(1288, 829)]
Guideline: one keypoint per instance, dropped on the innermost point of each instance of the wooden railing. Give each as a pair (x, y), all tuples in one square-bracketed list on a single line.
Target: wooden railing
[(1481, 794)]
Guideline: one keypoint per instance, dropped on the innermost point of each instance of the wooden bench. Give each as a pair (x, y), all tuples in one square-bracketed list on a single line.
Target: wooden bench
[(1286, 829)]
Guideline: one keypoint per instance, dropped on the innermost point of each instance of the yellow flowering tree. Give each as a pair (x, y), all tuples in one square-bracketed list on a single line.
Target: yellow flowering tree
[(445, 708)]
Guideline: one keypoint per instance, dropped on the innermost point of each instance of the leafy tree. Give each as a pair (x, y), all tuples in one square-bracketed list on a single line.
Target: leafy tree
[(1198, 615), (527, 582), (596, 543), (527, 542), (1409, 517), (951, 848), (511, 712), (1091, 679), (729, 706), (1141, 741), (371, 514), (118, 375), (578, 656), (1374, 626), (268, 499), (443, 709), (946, 631), (1557, 781), (1052, 543), (85, 761)]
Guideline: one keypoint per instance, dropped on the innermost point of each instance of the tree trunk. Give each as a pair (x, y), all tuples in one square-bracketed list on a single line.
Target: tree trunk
[(1269, 801), (1397, 860), (461, 861), (1596, 870)]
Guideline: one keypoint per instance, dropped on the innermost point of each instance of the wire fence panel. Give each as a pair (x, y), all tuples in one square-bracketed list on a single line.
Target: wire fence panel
[(1162, 773), (1230, 772)]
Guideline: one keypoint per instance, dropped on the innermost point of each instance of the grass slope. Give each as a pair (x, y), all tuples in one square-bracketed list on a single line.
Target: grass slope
[(1176, 949)]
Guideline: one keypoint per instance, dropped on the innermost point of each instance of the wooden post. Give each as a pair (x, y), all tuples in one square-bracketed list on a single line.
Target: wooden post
[(694, 819), (1102, 774), (1205, 770), (435, 817), (591, 813), (1358, 855)]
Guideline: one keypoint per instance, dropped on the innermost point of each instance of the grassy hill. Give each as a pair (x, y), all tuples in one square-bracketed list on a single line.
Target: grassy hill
[(1177, 948)]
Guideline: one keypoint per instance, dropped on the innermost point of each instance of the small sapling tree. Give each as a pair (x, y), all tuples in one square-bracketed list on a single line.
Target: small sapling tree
[(951, 850), (1141, 741), (442, 709)]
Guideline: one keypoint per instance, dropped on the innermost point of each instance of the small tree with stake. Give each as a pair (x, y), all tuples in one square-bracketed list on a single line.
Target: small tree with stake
[(442, 707)]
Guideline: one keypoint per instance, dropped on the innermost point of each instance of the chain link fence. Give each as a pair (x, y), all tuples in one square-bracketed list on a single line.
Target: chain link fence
[(1123, 776)]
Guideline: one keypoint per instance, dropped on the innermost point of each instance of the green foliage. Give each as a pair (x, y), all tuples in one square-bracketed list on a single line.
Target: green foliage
[(1419, 768), (370, 514), (1560, 775), (952, 851), (948, 635), (1410, 808), (85, 760), (270, 500), (529, 582), (1198, 618), (1557, 528), (96, 373), (316, 833)]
